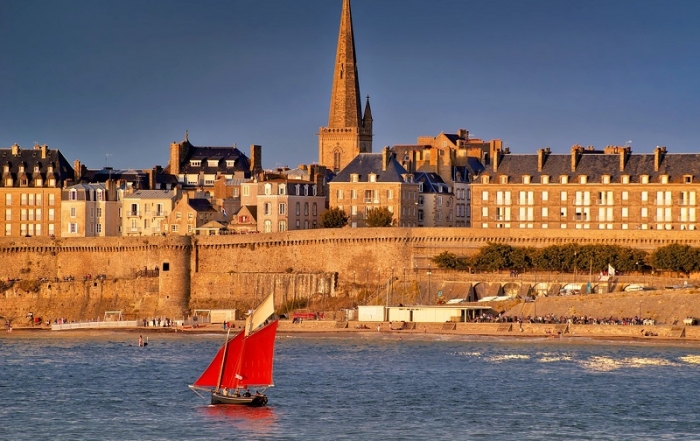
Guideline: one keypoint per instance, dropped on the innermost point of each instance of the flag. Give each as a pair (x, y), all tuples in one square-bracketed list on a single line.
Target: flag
[(611, 270)]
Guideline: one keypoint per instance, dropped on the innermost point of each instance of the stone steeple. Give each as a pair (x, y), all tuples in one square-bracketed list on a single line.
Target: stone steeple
[(348, 132)]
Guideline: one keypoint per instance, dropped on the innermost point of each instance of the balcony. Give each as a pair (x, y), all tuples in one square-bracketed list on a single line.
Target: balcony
[(133, 213)]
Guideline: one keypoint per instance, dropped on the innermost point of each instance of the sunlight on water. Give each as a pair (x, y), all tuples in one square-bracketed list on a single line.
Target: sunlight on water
[(507, 357), (606, 364), (691, 359)]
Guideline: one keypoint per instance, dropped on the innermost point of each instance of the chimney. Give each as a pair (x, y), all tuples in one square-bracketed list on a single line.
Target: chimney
[(541, 158), (624, 155), (659, 153), (495, 148), (175, 156), (385, 157), (44, 151), (462, 134), (319, 185), (576, 151), (77, 170), (15, 149), (255, 159)]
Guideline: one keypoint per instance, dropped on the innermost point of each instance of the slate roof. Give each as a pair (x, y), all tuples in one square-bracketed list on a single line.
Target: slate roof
[(595, 165), (220, 154), (30, 158), (201, 205), (465, 174), (151, 194), (432, 183), (366, 163)]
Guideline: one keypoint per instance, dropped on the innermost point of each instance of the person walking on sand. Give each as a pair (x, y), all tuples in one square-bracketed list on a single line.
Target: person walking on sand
[(140, 340)]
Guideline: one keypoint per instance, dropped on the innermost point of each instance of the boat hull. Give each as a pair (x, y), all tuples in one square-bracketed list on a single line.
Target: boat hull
[(252, 401)]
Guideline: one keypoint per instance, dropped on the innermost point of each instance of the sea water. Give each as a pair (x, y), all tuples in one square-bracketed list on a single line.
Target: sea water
[(356, 387)]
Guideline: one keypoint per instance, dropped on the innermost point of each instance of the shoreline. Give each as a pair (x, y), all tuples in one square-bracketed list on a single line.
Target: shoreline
[(540, 332)]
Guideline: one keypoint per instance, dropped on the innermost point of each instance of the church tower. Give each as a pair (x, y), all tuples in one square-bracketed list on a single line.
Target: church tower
[(348, 132)]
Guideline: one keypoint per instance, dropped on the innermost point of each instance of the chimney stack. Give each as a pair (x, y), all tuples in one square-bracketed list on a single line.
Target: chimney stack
[(659, 153), (255, 159), (385, 157), (15, 149), (576, 152)]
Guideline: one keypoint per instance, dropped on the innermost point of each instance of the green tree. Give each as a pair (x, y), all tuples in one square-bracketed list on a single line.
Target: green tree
[(676, 257), (493, 257), (334, 218), (379, 217), (448, 260)]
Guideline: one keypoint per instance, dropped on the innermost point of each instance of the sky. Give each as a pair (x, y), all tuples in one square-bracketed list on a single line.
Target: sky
[(114, 83)]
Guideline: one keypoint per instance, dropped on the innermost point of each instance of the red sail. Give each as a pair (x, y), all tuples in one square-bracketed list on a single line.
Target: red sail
[(256, 361), (210, 377)]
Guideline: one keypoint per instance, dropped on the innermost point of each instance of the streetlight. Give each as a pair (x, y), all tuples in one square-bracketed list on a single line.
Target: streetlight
[(392, 287), (403, 295), (354, 286), (575, 266), (429, 273)]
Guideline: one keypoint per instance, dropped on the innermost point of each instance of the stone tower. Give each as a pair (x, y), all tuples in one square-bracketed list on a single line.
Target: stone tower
[(348, 132)]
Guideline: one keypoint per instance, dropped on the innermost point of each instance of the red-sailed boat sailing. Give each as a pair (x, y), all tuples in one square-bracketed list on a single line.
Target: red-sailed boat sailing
[(244, 361)]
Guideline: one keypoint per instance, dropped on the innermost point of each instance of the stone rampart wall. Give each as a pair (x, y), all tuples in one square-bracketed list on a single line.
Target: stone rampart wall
[(198, 271)]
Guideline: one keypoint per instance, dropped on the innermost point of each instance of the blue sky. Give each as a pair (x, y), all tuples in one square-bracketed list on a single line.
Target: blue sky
[(113, 83)]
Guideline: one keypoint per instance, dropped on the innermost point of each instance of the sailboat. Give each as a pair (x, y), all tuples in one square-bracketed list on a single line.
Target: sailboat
[(244, 361)]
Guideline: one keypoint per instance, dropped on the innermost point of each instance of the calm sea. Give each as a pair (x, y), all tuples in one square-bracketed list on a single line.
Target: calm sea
[(356, 387)]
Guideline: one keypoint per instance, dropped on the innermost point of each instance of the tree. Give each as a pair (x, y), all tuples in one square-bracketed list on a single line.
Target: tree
[(379, 217), (448, 260), (334, 218)]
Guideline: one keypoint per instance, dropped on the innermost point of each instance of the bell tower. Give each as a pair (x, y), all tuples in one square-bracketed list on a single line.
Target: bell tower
[(349, 132)]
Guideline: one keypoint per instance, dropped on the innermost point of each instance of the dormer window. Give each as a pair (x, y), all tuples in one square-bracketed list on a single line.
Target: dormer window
[(354, 177), (526, 179), (625, 179), (544, 179), (605, 179), (687, 179), (36, 169), (52, 182), (21, 168), (8, 182), (213, 163), (73, 195), (564, 179), (99, 194), (644, 179), (372, 177), (268, 189), (420, 187), (6, 169), (38, 182), (230, 163), (282, 189), (23, 182), (504, 179), (583, 179), (663, 179), (484, 179), (196, 163)]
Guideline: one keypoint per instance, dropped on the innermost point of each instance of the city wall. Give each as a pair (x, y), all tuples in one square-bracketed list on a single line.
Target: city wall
[(203, 272)]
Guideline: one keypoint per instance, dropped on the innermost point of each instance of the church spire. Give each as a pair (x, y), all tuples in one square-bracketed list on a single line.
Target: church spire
[(345, 98)]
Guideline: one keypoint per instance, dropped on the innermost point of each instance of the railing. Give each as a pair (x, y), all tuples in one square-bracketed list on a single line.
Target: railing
[(95, 325)]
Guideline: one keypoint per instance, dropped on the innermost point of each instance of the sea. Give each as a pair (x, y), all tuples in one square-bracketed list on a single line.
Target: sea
[(359, 386)]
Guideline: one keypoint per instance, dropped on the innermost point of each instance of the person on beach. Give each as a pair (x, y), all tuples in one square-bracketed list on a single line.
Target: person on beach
[(140, 340)]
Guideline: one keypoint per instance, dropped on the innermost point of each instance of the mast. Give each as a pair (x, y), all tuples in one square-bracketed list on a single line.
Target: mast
[(223, 361)]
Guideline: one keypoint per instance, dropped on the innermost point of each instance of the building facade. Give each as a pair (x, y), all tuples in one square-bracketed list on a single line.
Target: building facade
[(90, 210), (609, 189), (374, 180), (143, 211), (30, 190)]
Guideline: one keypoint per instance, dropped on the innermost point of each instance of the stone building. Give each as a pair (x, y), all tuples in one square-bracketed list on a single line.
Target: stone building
[(374, 180), (189, 215), (30, 190), (143, 211), (349, 132), (436, 201), (610, 189), (198, 168), (282, 204), (90, 210)]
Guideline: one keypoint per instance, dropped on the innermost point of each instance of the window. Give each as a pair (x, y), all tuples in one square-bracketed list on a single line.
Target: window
[(189, 228), (606, 179), (372, 177), (267, 209), (246, 191), (52, 229), (339, 194), (625, 179), (52, 199), (190, 216), (174, 228), (72, 211), (563, 196), (30, 198), (230, 163), (178, 216), (38, 199), (314, 209), (73, 195), (368, 196), (354, 177), (23, 199), (526, 179), (282, 226), (38, 214), (485, 196), (73, 228), (545, 212), (298, 208), (268, 189), (306, 208), (390, 194), (98, 228), (282, 189), (644, 179), (8, 214), (267, 226), (8, 199), (564, 179), (52, 214), (625, 195), (195, 163), (283, 209), (353, 194)]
